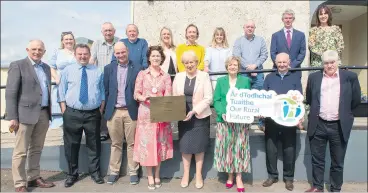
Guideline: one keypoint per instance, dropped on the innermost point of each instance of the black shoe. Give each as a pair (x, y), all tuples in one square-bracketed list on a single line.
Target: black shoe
[(70, 181), (289, 185), (97, 179), (104, 137), (269, 182)]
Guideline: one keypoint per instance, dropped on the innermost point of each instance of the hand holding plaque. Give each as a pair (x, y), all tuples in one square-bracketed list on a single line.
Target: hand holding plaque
[(167, 108)]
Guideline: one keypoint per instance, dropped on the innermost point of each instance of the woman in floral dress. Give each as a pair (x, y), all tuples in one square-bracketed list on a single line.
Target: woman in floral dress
[(232, 152), (153, 141), (324, 36)]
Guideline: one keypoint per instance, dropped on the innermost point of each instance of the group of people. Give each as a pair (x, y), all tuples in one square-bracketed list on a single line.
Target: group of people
[(105, 92)]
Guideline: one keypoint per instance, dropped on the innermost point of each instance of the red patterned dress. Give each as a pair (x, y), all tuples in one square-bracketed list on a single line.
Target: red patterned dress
[(153, 141)]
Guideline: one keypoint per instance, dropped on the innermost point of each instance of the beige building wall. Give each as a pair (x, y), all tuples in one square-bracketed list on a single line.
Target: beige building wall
[(346, 35), (4, 76), (231, 15), (358, 47)]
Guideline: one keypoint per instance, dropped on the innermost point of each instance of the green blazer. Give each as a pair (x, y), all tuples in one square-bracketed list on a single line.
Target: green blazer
[(222, 87)]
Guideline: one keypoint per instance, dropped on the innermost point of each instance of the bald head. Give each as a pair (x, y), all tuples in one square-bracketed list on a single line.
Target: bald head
[(249, 28), (282, 62), (36, 50), (121, 52)]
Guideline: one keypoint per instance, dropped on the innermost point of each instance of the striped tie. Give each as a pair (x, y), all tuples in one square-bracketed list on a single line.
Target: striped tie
[(83, 95)]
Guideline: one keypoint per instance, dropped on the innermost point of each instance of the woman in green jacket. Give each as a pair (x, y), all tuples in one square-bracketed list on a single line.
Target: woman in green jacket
[(232, 152)]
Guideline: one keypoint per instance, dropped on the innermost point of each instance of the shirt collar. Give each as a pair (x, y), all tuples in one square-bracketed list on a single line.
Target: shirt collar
[(123, 65), (134, 41), (335, 75), (291, 30), (87, 66), (283, 74), (251, 39), (34, 63), (113, 41), (149, 72)]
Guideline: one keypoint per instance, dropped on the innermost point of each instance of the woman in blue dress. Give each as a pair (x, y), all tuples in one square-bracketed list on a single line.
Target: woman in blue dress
[(61, 58)]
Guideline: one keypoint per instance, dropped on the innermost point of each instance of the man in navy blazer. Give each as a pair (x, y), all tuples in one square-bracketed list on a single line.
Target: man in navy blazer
[(121, 110), (332, 94), (290, 41)]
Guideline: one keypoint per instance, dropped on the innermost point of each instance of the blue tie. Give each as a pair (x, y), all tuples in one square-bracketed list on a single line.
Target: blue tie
[(83, 95)]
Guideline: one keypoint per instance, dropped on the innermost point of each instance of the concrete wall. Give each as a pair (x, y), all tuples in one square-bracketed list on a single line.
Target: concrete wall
[(358, 47), (231, 15), (355, 169)]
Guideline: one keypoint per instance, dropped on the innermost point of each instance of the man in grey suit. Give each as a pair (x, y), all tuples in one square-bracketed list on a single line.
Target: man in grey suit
[(27, 98)]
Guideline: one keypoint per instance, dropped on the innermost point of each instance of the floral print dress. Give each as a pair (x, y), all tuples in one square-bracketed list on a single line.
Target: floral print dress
[(153, 141), (322, 39)]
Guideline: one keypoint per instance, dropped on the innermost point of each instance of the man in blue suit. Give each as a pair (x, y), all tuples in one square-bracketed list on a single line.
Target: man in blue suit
[(121, 110), (290, 41)]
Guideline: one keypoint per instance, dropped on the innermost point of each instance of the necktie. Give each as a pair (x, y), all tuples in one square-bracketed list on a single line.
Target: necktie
[(288, 38), (83, 95)]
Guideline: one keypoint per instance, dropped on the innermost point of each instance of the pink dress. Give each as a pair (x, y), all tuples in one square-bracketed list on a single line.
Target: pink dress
[(153, 141)]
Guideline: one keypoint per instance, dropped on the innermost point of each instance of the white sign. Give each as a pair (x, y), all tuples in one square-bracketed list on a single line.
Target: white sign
[(244, 104)]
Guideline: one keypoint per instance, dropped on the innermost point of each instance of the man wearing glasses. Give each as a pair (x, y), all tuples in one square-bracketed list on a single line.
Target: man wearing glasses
[(101, 54), (332, 95)]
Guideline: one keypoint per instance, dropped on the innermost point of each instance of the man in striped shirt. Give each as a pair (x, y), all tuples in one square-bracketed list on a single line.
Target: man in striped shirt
[(101, 53)]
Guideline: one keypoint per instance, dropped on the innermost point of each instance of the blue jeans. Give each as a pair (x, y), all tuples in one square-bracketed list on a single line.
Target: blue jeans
[(256, 82)]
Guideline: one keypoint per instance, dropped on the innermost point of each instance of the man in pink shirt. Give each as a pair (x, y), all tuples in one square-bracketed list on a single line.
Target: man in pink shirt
[(332, 95)]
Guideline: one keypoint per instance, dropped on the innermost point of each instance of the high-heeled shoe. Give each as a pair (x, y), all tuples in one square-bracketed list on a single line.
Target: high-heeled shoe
[(228, 185), (240, 189)]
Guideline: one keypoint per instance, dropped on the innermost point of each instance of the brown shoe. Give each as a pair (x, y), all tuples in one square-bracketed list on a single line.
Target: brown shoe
[(21, 189), (269, 182), (289, 185), (313, 189), (39, 182)]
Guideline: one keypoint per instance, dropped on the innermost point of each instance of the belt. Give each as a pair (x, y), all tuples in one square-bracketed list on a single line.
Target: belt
[(121, 108), (83, 111), (45, 107), (325, 121)]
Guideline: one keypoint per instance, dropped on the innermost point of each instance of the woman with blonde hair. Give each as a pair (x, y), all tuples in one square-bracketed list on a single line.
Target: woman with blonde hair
[(191, 35), (61, 58), (232, 152), (216, 54), (167, 43), (194, 130)]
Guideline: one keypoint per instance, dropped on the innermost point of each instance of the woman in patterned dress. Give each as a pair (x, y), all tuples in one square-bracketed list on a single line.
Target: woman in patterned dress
[(60, 59), (194, 130), (153, 141), (232, 152), (324, 36)]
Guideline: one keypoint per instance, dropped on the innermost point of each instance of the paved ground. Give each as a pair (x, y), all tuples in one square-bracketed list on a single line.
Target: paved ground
[(168, 185)]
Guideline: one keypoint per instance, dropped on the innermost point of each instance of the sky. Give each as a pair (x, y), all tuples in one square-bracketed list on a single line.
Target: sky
[(22, 21)]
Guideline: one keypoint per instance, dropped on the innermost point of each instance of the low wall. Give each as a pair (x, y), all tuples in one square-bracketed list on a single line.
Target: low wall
[(355, 162)]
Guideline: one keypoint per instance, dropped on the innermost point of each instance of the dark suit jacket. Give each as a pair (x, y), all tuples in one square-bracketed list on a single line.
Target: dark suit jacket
[(297, 49), (111, 89), (23, 92), (349, 99)]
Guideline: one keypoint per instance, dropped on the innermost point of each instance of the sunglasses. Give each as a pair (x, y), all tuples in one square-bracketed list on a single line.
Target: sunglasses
[(66, 33)]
